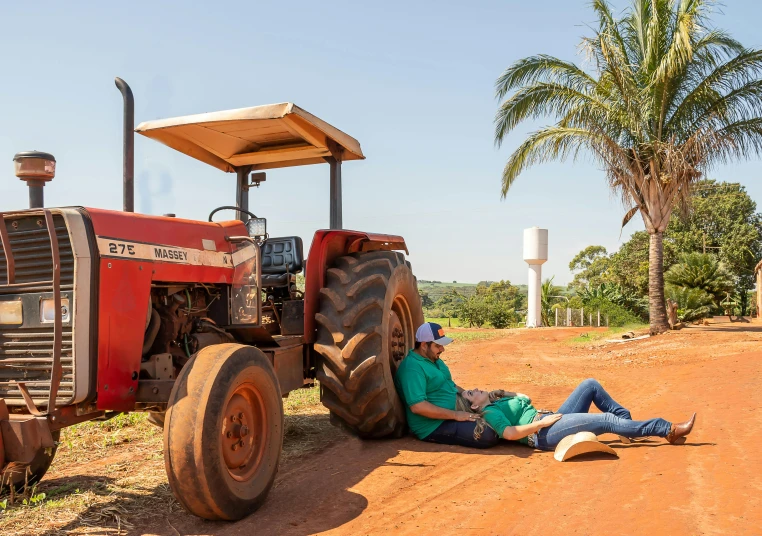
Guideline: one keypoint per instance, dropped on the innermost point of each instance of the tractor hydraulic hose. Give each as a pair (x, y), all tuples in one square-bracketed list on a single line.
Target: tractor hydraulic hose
[(187, 348), (153, 330)]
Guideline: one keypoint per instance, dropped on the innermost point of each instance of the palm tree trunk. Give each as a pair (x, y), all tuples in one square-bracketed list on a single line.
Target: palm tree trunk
[(657, 311)]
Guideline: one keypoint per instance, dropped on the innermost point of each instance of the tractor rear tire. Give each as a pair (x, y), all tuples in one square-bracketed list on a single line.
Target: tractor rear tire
[(223, 432), (20, 475), (368, 313)]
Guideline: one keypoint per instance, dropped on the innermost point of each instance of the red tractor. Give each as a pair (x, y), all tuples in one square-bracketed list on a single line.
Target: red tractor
[(200, 323)]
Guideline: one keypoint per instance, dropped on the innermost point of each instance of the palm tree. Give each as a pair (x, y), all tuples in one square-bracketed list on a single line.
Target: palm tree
[(666, 98), (702, 271), (548, 294)]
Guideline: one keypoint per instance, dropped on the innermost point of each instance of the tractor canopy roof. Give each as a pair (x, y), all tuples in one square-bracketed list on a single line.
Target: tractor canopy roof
[(264, 137)]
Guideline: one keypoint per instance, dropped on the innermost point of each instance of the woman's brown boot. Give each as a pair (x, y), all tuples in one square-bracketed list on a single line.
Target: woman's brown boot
[(678, 431)]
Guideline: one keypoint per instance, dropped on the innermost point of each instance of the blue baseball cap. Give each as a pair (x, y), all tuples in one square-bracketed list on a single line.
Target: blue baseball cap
[(431, 332)]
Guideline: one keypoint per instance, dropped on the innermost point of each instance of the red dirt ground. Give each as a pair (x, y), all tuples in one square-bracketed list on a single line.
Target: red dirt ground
[(711, 485)]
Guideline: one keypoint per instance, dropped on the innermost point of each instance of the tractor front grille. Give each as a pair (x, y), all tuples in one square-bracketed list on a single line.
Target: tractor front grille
[(26, 351), (30, 245)]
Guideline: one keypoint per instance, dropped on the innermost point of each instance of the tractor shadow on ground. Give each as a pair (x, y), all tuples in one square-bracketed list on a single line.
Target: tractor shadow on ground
[(315, 493), (318, 492)]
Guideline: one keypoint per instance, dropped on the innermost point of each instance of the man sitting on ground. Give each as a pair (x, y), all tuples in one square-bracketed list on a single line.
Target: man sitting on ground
[(425, 386)]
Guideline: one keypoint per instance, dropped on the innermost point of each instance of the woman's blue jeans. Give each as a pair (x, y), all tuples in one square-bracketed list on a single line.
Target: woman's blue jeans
[(615, 419)]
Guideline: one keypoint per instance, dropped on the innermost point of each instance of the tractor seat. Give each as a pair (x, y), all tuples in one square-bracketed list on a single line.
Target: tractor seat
[(282, 259)]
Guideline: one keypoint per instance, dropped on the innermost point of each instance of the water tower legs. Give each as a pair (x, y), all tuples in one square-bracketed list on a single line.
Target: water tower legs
[(534, 298)]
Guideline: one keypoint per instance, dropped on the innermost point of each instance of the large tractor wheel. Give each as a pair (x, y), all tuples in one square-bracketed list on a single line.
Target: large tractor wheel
[(20, 475), (223, 432), (368, 314)]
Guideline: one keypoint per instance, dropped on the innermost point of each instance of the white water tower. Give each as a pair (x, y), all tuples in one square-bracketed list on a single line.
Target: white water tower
[(535, 255)]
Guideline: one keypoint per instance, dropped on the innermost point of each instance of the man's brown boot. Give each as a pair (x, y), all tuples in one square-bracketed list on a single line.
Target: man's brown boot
[(678, 431)]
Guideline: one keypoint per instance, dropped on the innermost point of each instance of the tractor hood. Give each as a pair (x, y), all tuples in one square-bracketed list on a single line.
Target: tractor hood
[(265, 137)]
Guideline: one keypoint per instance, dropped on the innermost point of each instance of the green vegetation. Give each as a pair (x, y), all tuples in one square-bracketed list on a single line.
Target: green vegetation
[(445, 322), (701, 271), (713, 249), (693, 303), (609, 333), (667, 98), (497, 304)]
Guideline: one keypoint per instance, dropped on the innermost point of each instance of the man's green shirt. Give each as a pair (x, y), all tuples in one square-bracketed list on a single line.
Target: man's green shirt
[(420, 379)]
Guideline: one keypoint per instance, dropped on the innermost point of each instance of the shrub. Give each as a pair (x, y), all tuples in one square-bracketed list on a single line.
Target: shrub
[(701, 271), (692, 303), (618, 316), (501, 315)]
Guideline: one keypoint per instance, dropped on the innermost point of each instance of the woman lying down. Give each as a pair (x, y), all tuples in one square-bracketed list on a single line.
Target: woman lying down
[(514, 418)]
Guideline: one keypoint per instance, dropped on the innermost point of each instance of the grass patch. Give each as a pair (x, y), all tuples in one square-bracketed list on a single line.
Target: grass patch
[(445, 322), (595, 336), (109, 476), (472, 335)]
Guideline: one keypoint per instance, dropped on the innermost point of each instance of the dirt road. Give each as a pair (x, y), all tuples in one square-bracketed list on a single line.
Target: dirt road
[(711, 485)]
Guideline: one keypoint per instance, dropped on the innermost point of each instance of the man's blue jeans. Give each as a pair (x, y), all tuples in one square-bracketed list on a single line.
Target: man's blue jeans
[(615, 419), (462, 433)]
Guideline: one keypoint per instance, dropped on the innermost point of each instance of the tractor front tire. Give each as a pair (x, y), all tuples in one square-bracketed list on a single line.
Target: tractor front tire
[(223, 432), (369, 311)]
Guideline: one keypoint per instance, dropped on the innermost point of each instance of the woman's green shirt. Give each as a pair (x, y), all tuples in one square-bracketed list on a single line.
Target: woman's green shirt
[(512, 411)]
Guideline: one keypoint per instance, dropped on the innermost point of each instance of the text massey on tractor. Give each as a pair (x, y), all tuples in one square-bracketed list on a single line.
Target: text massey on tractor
[(199, 323)]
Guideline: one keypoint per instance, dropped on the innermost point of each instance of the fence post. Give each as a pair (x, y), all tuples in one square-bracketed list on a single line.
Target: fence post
[(599, 318), (582, 316), (590, 319), (568, 317), (556, 317), (607, 320)]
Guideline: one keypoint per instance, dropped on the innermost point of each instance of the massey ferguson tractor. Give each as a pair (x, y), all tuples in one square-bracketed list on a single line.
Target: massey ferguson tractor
[(199, 323)]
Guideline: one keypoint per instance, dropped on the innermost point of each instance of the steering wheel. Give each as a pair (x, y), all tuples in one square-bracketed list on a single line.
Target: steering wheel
[(227, 207)]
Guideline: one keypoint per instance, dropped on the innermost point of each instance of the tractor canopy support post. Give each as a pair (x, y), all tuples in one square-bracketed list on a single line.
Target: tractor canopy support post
[(335, 195), (242, 191)]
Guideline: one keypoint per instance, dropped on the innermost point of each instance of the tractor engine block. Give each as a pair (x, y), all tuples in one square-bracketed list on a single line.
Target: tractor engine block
[(177, 324)]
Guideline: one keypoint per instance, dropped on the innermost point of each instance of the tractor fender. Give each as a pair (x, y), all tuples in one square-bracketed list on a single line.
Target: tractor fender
[(327, 245)]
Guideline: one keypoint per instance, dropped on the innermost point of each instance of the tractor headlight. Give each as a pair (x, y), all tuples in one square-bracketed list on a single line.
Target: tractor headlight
[(11, 313), (257, 227), (47, 310)]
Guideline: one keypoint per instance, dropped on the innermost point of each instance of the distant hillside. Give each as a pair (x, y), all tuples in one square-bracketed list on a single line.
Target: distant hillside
[(437, 289)]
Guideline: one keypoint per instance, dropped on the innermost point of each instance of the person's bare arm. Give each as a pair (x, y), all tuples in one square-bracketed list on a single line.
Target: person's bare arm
[(512, 433), (427, 409), (502, 393)]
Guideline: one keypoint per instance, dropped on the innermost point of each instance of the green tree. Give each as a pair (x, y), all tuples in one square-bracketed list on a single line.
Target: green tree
[(473, 310), (548, 296), (448, 303), (723, 221), (426, 300), (668, 97), (692, 303), (629, 267), (501, 315), (702, 271), (591, 265)]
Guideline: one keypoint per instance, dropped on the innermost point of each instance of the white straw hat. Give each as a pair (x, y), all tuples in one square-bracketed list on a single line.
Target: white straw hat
[(580, 443)]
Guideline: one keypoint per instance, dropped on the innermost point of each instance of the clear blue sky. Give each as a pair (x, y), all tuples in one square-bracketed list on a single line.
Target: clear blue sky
[(413, 81)]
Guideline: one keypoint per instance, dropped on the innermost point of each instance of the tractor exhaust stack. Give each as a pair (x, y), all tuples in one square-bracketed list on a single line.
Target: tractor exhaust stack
[(129, 145)]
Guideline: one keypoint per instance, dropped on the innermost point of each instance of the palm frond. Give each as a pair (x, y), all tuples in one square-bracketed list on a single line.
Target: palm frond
[(542, 68)]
